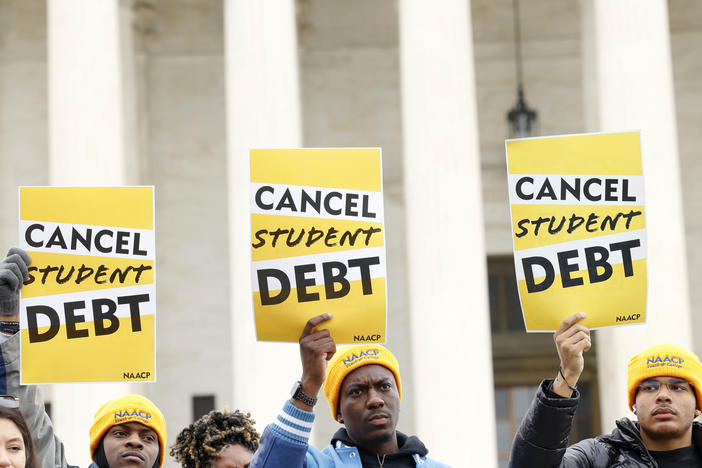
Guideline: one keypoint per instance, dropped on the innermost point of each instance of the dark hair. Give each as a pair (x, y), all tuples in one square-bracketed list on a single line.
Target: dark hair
[(203, 441), (100, 458), (14, 415)]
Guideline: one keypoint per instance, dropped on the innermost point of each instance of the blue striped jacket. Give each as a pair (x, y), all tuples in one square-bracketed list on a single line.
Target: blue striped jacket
[(285, 443)]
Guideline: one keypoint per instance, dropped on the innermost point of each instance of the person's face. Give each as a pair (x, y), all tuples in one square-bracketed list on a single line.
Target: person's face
[(12, 450), (666, 412), (233, 456), (131, 444), (369, 405)]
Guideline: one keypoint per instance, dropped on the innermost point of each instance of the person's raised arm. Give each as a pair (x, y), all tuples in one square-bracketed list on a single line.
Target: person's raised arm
[(316, 348), (542, 437), (572, 339), (285, 442), (13, 272)]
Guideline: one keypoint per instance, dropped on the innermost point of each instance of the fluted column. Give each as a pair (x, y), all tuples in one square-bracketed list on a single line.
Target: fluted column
[(629, 86), (450, 325), (263, 111), (86, 147)]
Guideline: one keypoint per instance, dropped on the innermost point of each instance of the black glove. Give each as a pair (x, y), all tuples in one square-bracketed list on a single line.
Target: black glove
[(13, 272)]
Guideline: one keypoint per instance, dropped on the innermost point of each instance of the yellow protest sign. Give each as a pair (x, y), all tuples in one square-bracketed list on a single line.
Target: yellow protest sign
[(318, 242), (87, 312), (578, 228)]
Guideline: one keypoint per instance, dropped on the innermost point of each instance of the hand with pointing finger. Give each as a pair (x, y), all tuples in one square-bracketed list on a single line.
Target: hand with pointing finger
[(572, 340), (316, 348)]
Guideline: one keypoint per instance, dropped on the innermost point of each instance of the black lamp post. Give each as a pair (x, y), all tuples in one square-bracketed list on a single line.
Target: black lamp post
[(522, 120)]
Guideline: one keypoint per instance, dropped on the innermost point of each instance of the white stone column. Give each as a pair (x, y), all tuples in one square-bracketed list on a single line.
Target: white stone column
[(86, 138), (263, 111), (453, 387), (629, 86), (86, 147), (23, 135)]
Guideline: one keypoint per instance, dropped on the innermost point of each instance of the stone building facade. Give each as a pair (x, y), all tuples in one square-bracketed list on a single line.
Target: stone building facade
[(171, 93)]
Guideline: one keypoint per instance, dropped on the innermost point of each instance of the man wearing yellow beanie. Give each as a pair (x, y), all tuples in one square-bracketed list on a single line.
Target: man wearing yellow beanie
[(363, 387), (129, 431), (664, 391)]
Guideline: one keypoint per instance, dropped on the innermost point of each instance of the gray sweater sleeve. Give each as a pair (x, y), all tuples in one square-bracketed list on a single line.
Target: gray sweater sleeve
[(49, 447)]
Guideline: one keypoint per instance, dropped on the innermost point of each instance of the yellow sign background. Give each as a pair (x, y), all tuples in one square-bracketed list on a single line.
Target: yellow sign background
[(616, 301), (123, 355), (357, 318)]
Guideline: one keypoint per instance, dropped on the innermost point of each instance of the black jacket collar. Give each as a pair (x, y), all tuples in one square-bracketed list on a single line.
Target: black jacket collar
[(408, 445), (628, 434)]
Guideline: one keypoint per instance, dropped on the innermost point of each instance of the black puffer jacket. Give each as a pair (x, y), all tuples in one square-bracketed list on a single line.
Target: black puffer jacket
[(542, 439)]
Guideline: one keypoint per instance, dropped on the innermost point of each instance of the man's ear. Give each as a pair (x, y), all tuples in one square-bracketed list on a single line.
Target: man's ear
[(339, 419)]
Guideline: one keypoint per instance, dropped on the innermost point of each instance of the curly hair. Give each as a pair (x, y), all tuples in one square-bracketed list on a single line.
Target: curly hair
[(203, 441)]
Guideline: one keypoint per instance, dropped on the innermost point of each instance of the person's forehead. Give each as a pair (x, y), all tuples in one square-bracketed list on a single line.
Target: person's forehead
[(133, 426), (665, 379), (235, 454), (10, 429), (369, 372)]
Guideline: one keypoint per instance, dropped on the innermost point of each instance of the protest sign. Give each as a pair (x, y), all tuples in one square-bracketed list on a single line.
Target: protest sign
[(578, 228), (87, 312), (318, 242)]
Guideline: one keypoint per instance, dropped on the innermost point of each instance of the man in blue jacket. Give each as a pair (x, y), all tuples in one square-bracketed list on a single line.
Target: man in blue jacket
[(363, 387)]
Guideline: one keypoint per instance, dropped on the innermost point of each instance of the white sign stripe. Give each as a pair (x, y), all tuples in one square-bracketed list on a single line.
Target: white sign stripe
[(288, 264), (102, 241), (316, 202), (550, 252), (57, 302), (569, 189)]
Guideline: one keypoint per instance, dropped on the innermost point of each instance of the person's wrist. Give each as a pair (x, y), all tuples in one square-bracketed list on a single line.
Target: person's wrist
[(570, 375), (9, 306), (310, 387), (561, 388), (301, 399), (565, 382)]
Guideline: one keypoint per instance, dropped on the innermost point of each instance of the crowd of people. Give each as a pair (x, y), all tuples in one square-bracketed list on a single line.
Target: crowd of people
[(363, 387), (128, 431)]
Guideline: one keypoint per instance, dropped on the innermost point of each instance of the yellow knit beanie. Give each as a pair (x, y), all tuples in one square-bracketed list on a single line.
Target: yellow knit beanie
[(349, 358), (126, 409), (664, 360)]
